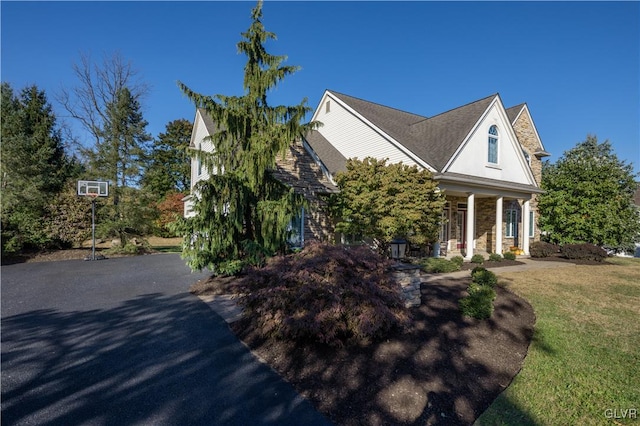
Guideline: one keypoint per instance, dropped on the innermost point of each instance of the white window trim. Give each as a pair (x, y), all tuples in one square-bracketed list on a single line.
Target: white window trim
[(532, 224), (497, 139), (510, 231), (199, 160)]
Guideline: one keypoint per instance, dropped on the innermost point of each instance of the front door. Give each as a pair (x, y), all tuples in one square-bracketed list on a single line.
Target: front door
[(462, 230)]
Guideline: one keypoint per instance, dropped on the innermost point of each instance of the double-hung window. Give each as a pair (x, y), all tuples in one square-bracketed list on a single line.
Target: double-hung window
[(492, 147)]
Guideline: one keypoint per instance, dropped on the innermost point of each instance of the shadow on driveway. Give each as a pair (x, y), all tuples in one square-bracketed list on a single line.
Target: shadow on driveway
[(155, 358)]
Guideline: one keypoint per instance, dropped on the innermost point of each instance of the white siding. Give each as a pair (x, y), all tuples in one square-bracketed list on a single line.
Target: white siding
[(472, 158), (198, 140), (353, 137)]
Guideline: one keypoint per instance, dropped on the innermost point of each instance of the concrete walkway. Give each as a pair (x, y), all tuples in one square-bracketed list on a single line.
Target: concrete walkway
[(527, 265)]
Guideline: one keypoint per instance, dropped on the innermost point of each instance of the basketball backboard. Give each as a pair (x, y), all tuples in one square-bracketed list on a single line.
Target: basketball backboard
[(93, 188)]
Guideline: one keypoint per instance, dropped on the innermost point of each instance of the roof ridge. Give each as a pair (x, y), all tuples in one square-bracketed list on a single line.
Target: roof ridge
[(376, 103), (462, 106)]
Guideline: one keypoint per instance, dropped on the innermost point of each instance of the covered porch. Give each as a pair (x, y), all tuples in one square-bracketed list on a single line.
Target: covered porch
[(485, 216)]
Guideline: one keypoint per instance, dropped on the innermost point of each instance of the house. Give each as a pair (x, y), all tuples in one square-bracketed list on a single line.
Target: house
[(486, 158), (300, 168)]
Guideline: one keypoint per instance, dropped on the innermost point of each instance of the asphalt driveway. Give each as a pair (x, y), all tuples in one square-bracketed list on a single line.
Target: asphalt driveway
[(122, 342)]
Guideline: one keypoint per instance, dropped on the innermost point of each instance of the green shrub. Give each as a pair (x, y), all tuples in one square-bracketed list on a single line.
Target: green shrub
[(495, 257), (510, 255), (437, 265), (476, 270), (583, 252), (481, 291), (132, 247), (458, 260), (327, 294), (476, 306), (485, 277), (477, 258), (543, 249), (229, 268), (479, 303)]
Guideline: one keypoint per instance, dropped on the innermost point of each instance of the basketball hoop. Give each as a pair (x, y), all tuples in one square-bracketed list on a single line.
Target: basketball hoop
[(93, 190)]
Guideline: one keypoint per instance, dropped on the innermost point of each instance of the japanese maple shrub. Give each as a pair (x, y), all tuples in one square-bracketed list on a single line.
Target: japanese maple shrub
[(326, 294)]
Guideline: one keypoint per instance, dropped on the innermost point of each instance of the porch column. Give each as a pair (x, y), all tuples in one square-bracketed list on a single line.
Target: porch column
[(471, 220), (525, 227), (499, 225)]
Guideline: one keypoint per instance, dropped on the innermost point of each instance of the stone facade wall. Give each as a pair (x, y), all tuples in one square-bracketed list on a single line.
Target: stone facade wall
[(409, 280), (298, 170), (486, 224), (525, 132)]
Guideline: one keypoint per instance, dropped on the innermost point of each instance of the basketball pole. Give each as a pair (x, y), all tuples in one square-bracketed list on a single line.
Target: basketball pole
[(93, 228)]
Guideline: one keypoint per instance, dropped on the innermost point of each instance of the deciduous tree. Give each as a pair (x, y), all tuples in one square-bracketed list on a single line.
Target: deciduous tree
[(242, 211), (589, 198), (380, 201), (107, 103)]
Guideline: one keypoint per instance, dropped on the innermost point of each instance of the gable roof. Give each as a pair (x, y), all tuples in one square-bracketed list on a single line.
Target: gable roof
[(208, 124), (439, 137), (514, 111), (434, 139)]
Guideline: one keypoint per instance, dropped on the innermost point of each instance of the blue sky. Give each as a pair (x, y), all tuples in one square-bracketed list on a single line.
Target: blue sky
[(576, 64)]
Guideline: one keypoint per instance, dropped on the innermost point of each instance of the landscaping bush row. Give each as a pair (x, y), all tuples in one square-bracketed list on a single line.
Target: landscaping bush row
[(541, 249), (583, 251), (481, 294), (436, 265), (327, 294)]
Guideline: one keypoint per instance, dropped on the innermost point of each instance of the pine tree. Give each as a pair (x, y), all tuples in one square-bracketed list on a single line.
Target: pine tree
[(34, 166), (119, 158), (242, 211), (167, 167)]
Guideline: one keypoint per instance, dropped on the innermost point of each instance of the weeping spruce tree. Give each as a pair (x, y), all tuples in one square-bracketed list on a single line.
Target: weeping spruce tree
[(242, 212)]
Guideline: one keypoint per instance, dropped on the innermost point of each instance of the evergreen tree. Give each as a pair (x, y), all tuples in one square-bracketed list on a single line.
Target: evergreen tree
[(589, 198), (107, 103), (380, 201), (242, 211), (119, 158), (34, 166), (168, 164)]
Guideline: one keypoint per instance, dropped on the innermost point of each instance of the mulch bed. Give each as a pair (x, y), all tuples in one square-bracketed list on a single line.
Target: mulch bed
[(444, 369)]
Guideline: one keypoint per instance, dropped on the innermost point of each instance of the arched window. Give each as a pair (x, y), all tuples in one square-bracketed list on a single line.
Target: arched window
[(492, 150)]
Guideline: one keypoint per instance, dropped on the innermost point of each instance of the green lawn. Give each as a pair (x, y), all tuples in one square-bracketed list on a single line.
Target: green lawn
[(584, 360)]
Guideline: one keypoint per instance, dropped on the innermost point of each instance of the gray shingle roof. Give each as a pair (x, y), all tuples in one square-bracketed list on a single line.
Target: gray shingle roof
[(513, 112), (332, 159), (208, 121), (434, 139)]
